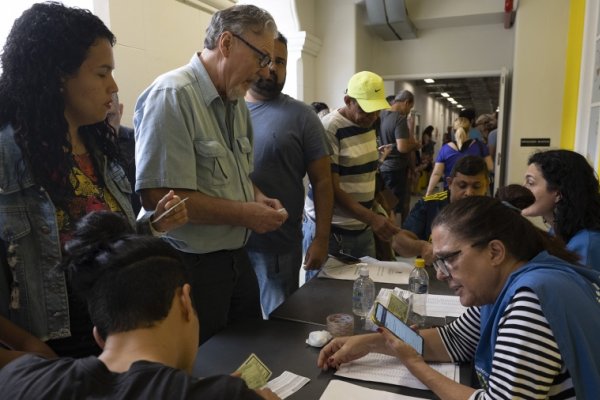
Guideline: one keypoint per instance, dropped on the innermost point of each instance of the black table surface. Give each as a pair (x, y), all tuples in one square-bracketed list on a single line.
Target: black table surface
[(320, 297), (281, 346)]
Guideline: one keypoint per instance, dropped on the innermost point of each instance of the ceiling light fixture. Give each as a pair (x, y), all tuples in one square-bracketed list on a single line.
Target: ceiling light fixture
[(428, 80), (445, 94)]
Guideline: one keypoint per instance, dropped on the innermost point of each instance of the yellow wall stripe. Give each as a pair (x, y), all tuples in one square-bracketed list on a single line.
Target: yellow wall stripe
[(573, 67)]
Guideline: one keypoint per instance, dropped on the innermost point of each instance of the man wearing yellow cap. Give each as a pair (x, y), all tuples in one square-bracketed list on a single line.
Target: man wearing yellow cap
[(354, 161)]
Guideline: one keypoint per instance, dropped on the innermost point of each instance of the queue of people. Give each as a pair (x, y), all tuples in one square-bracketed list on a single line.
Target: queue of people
[(220, 155)]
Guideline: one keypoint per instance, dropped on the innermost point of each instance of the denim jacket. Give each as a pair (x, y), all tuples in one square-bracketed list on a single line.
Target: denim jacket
[(33, 291)]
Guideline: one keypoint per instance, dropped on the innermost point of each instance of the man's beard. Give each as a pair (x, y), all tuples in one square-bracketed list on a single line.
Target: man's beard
[(268, 88)]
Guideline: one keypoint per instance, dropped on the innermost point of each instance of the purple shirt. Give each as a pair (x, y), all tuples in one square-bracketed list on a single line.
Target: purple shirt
[(449, 156)]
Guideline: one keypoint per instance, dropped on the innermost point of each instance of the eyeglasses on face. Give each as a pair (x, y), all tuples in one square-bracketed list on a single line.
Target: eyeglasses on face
[(263, 60), (442, 264)]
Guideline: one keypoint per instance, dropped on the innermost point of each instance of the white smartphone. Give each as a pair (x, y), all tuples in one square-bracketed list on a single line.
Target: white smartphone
[(382, 317)]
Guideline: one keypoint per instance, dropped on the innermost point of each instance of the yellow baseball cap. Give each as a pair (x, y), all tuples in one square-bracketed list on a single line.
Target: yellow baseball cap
[(367, 88)]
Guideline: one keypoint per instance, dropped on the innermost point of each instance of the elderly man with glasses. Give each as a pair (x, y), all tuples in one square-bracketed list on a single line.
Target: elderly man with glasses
[(193, 133)]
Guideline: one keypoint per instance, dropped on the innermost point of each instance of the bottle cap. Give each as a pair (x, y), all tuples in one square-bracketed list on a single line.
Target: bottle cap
[(363, 269), (420, 263)]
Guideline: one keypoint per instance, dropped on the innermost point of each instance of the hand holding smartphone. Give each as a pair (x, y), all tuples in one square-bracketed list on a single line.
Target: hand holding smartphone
[(382, 317)]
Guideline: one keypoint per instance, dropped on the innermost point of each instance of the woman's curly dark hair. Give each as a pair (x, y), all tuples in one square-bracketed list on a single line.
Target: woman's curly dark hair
[(572, 176), (46, 45)]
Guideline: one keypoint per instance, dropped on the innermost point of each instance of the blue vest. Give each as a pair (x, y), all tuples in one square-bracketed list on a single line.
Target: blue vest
[(570, 299)]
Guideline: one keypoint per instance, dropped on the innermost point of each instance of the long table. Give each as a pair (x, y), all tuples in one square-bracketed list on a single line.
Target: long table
[(320, 297), (281, 345)]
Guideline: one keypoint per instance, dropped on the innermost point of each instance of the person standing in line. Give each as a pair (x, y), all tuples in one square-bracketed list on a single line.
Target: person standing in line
[(58, 162), (194, 133), (395, 168), (453, 151), (354, 162), (289, 142)]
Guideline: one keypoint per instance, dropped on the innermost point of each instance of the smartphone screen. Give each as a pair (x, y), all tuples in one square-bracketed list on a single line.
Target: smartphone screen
[(384, 318)]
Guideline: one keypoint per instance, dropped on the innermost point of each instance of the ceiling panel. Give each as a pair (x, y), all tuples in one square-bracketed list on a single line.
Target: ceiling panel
[(480, 93)]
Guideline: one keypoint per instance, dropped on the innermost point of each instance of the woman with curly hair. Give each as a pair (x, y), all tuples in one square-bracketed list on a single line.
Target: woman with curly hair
[(567, 196), (58, 161)]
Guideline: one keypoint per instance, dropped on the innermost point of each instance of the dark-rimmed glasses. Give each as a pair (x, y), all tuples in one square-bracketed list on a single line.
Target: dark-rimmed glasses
[(264, 58), (441, 264)]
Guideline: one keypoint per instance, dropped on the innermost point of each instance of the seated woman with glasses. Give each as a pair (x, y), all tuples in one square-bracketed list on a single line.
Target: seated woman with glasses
[(533, 318)]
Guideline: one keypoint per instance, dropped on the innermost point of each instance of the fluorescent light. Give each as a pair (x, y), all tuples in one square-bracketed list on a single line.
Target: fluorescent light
[(445, 94), (459, 106), (451, 100), (428, 80)]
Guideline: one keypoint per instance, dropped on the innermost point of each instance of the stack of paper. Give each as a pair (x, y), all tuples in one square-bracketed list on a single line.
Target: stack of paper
[(376, 367), (395, 272), (343, 390)]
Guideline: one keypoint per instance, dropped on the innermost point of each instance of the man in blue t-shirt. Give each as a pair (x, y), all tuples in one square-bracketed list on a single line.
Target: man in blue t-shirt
[(469, 177), (289, 142)]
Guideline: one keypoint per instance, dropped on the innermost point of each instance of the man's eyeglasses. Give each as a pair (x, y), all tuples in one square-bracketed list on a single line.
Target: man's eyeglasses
[(264, 58)]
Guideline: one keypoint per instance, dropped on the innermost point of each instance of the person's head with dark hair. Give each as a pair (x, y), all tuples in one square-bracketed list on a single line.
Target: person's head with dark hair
[(481, 241), (516, 195), (468, 113), (566, 191), (57, 79), (469, 177), (403, 102), (319, 106), (428, 130), (269, 88), (130, 282)]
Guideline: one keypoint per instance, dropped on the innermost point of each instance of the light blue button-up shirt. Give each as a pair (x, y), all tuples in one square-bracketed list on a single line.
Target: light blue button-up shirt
[(187, 137)]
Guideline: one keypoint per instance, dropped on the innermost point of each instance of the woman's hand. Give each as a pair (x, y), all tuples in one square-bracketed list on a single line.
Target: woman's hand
[(400, 349), (347, 348), (175, 217)]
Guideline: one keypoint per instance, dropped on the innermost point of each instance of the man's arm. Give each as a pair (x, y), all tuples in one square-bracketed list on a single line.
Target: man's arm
[(410, 241), (20, 342), (319, 174), (208, 210), (407, 244), (382, 227), (407, 145)]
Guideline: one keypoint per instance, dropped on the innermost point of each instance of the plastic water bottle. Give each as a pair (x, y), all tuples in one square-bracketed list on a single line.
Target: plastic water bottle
[(363, 292), (418, 282)]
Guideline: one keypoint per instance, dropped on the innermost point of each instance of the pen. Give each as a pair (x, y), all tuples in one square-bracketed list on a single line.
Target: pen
[(164, 214)]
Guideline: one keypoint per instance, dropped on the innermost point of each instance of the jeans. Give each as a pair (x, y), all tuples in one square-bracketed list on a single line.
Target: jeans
[(277, 276), (357, 245), (224, 289)]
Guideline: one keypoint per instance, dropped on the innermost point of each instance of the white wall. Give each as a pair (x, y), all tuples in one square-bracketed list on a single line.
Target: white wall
[(541, 30), (153, 37)]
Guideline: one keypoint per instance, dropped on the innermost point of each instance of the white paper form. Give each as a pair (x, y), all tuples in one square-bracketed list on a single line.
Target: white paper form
[(376, 367), (337, 390), (287, 384), (444, 306), (380, 271)]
